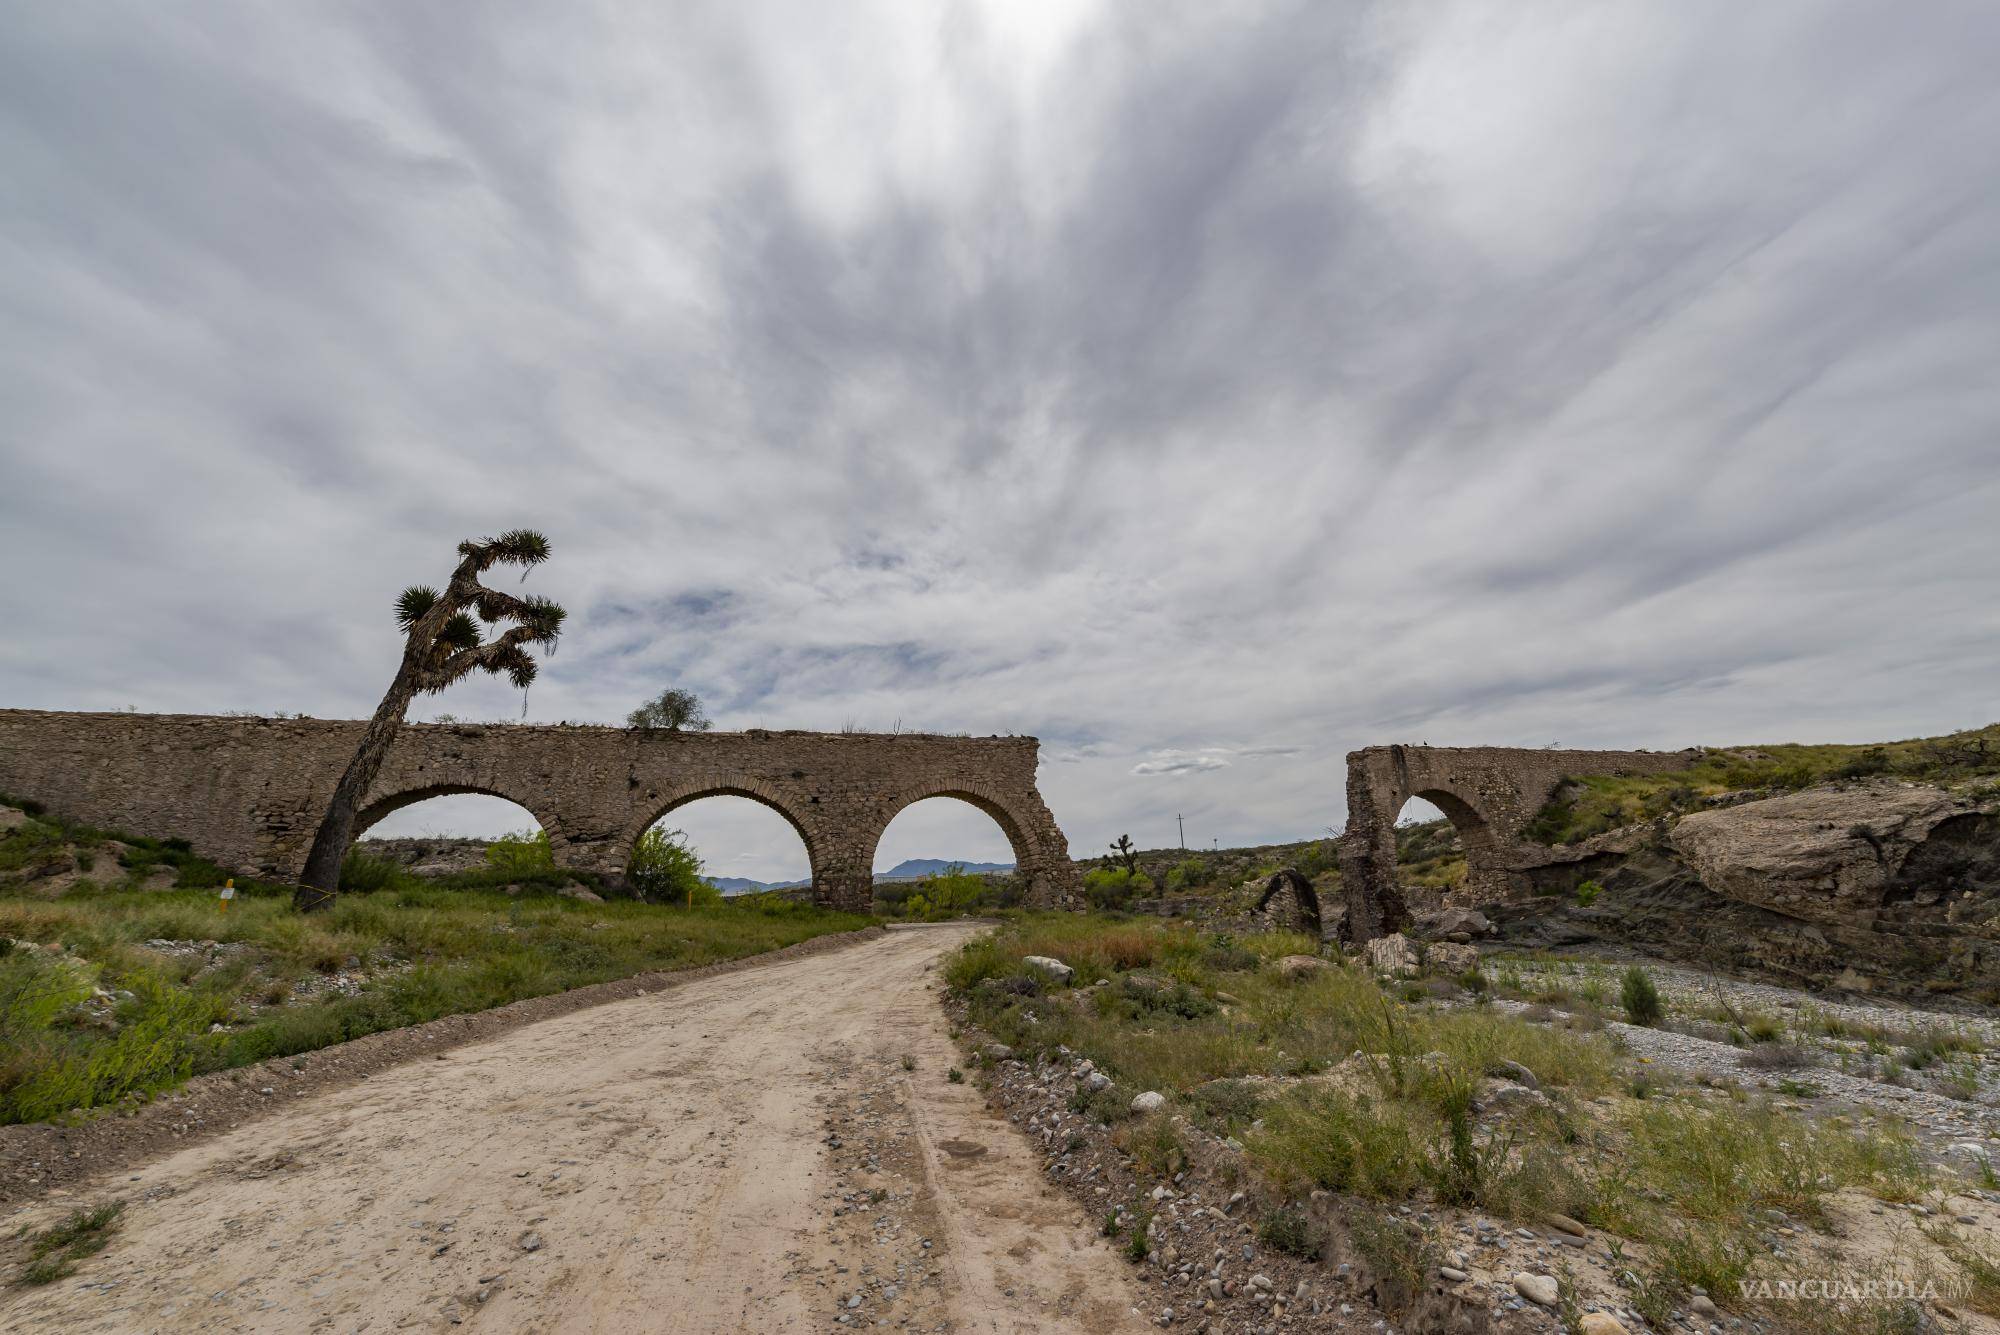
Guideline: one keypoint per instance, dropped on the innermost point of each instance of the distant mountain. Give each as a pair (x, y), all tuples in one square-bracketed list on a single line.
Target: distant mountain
[(911, 869), (914, 868), (743, 885)]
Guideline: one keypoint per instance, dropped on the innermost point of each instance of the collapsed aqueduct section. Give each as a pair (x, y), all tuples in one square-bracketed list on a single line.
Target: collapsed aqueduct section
[(1490, 793), (248, 793)]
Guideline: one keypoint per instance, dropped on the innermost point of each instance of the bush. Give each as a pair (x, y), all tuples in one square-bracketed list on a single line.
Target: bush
[(1587, 893), (1289, 1231), (521, 854), (364, 874), (1640, 998), (1112, 887), (1775, 1057), (1190, 874), (948, 894), (665, 870)]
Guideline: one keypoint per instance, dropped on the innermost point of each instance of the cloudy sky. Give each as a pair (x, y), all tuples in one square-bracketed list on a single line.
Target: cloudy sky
[(1205, 389)]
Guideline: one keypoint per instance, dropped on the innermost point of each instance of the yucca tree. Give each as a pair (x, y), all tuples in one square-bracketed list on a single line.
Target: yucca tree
[(443, 645)]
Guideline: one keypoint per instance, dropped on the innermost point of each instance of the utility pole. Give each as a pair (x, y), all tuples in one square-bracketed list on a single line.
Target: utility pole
[(1182, 822)]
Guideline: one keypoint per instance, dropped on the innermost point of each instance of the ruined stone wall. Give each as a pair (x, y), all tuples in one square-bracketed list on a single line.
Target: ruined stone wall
[(1491, 794), (248, 792)]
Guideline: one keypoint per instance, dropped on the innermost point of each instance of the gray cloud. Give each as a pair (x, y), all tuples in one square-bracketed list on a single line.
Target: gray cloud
[(1242, 383)]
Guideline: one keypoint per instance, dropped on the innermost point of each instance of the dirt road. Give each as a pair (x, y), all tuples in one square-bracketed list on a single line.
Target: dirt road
[(776, 1149)]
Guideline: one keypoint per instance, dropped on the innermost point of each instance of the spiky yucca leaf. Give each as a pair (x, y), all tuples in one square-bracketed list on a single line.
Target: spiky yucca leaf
[(459, 633), (520, 546), (413, 603), (544, 616), (520, 668)]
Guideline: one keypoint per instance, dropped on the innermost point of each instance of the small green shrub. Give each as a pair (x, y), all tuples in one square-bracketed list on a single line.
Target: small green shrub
[(1112, 888), (1640, 998), (522, 853), (1587, 893), (362, 873), (665, 870), (1289, 1231)]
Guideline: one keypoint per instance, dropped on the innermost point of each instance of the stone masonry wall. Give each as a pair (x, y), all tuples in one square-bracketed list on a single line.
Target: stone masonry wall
[(1491, 794), (248, 792)]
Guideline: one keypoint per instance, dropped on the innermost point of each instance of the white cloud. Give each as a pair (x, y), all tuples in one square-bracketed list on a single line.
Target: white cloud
[(1300, 377)]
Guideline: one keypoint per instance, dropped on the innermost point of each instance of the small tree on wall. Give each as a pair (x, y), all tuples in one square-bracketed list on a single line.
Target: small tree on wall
[(674, 711), (442, 645)]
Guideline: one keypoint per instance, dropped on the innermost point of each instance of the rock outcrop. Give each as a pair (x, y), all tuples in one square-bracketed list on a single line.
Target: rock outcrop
[(1823, 855), (1874, 886)]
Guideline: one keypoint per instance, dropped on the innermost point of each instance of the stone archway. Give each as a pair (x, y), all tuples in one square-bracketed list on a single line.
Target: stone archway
[(382, 806), (730, 785), (249, 792), (1299, 910), (1490, 794), (1041, 854)]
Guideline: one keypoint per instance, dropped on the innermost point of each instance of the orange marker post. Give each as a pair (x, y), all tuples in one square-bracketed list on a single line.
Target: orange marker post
[(228, 893)]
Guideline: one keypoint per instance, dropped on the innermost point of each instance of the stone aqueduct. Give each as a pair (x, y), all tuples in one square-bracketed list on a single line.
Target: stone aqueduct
[(248, 792), (1491, 795)]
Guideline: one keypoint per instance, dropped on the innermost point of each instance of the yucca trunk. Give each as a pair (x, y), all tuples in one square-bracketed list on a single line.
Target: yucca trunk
[(321, 879)]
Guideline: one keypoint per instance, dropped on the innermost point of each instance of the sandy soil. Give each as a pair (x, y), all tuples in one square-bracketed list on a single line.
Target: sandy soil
[(672, 1162)]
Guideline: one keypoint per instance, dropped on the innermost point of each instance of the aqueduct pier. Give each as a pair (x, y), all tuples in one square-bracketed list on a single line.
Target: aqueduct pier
[(248, 793)]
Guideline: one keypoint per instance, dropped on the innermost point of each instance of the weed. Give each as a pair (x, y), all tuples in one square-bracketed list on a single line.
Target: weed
[(956, 1076), (1289, 1231), (1154, 1145), (1401, 1257), (909, 1062), (54, 1252)]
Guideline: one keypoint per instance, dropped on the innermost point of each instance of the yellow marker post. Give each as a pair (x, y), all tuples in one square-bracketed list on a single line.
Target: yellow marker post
[(228, 893)]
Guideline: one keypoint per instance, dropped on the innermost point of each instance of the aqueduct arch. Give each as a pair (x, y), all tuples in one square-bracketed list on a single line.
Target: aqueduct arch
[(1041, 854), (1490, 794), (1290, 902), (723, 785), (248, 792), (383, 807)]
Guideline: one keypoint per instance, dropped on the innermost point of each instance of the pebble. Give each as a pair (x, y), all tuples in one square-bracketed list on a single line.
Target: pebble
[(1538, 1289)]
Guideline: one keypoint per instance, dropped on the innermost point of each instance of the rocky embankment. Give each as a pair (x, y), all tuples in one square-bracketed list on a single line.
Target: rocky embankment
[(1878, 886)]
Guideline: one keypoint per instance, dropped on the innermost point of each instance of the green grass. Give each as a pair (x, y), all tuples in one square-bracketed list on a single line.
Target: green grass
[(1599, 803), (103, 1019), (1428, 853), (1683, 1170)]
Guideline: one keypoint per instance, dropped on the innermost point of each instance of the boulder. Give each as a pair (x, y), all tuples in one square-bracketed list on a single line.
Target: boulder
[(1825, 855), (1297, 967), (1452, 920), (1502, 1096), (1392, 956), (1150, 1101), (1601, 1323), (1449, 957), (1054, 968), (12, 818), (577, 892)]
